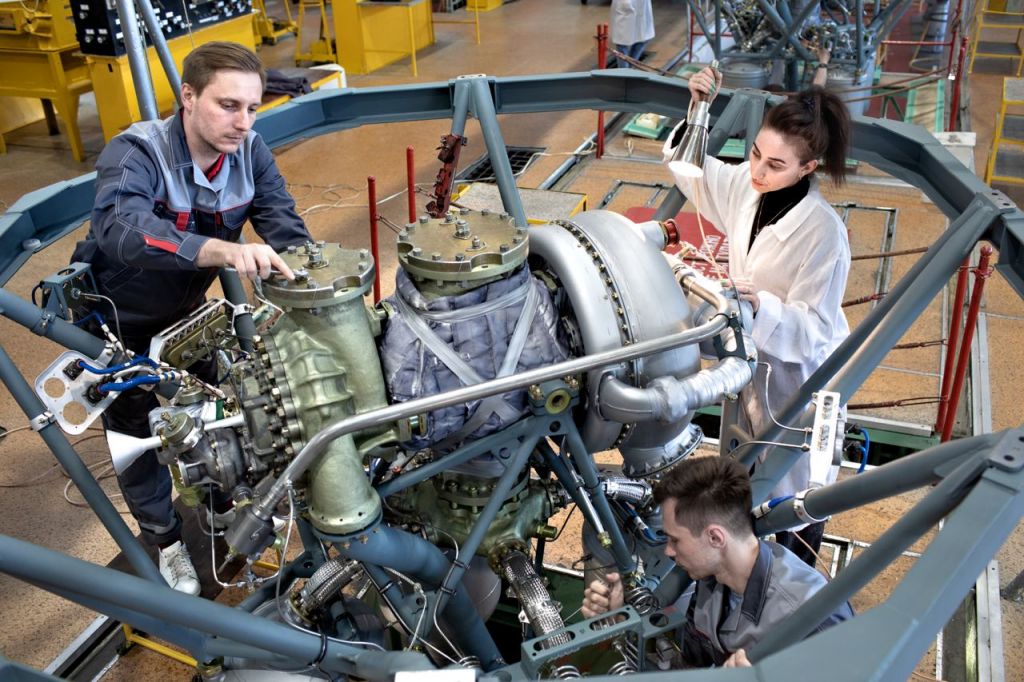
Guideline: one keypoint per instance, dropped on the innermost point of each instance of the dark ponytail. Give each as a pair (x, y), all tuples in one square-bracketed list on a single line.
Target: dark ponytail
[(820, 121)]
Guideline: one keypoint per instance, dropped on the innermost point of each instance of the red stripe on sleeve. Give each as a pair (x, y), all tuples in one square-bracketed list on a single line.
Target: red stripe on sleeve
[(161, 244)]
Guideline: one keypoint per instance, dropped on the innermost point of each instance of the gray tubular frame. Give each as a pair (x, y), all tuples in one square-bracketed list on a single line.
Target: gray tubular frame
[(980, 479)]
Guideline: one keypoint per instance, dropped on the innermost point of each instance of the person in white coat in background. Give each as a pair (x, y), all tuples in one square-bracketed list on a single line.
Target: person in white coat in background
[(789, 256), (632, 26)]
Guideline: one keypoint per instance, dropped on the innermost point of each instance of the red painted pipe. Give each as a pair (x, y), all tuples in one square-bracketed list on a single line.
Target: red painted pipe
[(410, 172), (602, 60), (371, 190), (693, 32), (981, 273), (951, 343), (954, 103)]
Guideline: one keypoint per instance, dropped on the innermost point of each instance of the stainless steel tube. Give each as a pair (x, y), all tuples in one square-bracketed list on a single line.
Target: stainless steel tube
[(317, 445), (160, 45), (137, 60)]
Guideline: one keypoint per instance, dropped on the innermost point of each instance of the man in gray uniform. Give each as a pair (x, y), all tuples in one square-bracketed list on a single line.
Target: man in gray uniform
[(744, 587), (172, 197)]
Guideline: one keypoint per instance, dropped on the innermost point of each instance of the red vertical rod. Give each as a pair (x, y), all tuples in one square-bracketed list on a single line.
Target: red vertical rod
[(602, 60), (951, 342), (371, 190), (956, 32), (410, 172), (981, 273), (954, 103), (693, 32)]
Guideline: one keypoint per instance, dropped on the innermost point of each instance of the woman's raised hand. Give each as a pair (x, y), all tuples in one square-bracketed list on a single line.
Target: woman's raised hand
[(705, 83)]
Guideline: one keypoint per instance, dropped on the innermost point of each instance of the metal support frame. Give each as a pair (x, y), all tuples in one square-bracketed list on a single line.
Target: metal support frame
[(981, 479), (156, 35), (787, 44), (138, 62)]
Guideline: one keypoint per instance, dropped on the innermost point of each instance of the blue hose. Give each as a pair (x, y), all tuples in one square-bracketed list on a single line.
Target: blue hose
[(864, 451), (132, 383), (92, 315), (138, 360)]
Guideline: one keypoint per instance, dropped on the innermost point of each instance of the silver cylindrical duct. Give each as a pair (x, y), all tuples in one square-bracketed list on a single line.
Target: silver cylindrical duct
[(325, 584), (668, 399), (853, 86), (739, 73), (628, 490), (540, 609)]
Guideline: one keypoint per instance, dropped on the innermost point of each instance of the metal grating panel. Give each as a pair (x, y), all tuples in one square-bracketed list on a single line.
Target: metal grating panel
[(482, 171)]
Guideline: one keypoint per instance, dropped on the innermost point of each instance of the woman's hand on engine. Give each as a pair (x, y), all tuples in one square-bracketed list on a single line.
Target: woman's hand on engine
[(705, 83), (747, 293), (602, 596)]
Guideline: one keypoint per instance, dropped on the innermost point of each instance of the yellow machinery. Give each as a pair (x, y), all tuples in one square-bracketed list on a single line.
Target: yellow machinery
[(322, 49), (112, 78), (1004, 22), (1006, 158), (39, 58), (372, 34), (266, 28), (483, 5)]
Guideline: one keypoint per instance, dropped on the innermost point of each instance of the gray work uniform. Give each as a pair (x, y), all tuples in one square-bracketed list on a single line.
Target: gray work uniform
[(154, 210), (719, 622)]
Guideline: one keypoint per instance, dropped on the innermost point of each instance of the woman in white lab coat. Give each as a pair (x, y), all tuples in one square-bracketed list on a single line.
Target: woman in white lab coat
[(789, 255), (631, 27)]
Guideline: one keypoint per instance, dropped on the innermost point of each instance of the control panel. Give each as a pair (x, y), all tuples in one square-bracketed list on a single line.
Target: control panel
[(826, 436), (98, 25)]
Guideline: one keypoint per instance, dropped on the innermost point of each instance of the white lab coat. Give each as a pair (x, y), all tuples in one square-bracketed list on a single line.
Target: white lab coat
[(799, 268), (632, 22)]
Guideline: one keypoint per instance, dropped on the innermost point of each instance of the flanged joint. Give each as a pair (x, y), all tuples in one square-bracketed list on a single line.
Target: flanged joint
[(467, 249)]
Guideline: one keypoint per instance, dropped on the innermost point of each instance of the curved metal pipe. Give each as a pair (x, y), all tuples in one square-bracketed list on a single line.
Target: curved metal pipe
[(667, 399), (540, 609), (317, 445)]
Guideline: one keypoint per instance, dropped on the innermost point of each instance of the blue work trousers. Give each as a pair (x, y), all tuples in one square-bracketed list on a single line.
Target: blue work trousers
[(634, 51), (146, 484)]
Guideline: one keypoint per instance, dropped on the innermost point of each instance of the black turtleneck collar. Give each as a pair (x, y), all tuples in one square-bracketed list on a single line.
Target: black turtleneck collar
[(774, 205)]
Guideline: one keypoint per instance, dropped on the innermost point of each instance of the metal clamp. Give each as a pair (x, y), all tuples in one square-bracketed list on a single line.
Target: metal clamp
[(800, 509), (239, 309), (41, 421)]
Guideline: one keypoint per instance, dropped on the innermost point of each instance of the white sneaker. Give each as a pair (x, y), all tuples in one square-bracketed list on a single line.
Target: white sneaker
[(177, 569)]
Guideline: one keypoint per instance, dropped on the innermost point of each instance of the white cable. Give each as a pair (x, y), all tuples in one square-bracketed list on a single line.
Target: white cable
[(803, 447), (117, 318), (423, 611), (767, 404), (437, 602), (402, 621)]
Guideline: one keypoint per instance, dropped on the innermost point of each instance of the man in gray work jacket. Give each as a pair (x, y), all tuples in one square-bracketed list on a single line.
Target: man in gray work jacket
[(744, 587), (171, 199)]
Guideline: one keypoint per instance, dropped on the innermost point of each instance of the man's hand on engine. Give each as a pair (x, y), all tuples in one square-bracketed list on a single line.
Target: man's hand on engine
[(250, 260), (602, 596)]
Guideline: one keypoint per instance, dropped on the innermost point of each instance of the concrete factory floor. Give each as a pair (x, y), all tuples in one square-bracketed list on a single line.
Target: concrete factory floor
[(327, 176)]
